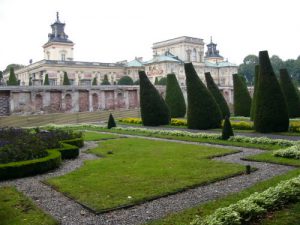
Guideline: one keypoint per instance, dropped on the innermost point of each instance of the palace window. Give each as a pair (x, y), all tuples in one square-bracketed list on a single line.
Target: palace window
[(63, 57)]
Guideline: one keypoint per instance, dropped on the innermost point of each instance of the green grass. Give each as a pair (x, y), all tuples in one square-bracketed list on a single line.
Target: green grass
[(287, 216), (96, 136), (268, 157), (139, 170), (16, 209), (186, 216)]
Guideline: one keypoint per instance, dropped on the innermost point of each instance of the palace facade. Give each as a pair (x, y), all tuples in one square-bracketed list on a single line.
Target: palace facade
[(168, 57)]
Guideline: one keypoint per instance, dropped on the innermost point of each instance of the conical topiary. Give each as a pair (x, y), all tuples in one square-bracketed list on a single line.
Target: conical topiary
[(105, 80), (252, 110), (203, 112), (271, 114), (46, 81), (156, 81), (290, 93), (12, 79), (94, 81), (66, 80), (154, 110), (227, 131), (111, 122), (214, 90), (174, 97), (241, 97)]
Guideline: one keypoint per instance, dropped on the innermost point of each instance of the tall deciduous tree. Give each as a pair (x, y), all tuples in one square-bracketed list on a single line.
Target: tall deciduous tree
[(215, 91), (174, 97), (154, 110), (46, 81), (241, 97), (66, 80), (203, 112), (12, 79), (290, 93), (271, 114), (248, 66)]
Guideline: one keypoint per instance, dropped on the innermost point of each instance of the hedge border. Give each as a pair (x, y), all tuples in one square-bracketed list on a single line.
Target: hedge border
[(30, 167), (79, 142), (68, 151)]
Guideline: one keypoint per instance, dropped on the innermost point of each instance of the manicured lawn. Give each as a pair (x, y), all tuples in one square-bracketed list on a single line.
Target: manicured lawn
[(288, 216), (186, 216), (268, 157), (16, 209), (140, 170), (96, 136)]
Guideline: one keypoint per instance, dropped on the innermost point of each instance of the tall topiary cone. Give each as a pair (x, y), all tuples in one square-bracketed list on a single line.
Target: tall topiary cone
[(290, 93), (252, 110), (203, 112), (241, 97), (111, 122), (66, 80), (12, 79), (214, 90), (154, 110), (46, 81), (271, 114), (174, 97), (227, 131)]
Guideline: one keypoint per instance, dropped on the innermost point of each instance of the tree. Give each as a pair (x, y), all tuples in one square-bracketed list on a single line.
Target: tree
[(12, 79), (162, 81), (94, 82), (290, 93), (271, 113), (247, 68), (66, 80), (214, 90), (241, 97), (156, 81), (105, 80), (252, 110), (227, 131), (154, 110), (174, 97), (13, 65), (137, 82), (277, 64), (125, 80), (111, 122), (203, 112), (46, 81)]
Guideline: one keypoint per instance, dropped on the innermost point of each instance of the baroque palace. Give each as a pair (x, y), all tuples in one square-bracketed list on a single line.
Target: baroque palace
[(168, 56)]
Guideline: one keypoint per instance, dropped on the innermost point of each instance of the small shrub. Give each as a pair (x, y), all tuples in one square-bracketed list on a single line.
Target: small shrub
[(227, 131), (111, 122)]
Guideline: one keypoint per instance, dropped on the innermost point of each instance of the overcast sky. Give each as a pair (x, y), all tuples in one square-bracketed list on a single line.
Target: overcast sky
[(115, 30)]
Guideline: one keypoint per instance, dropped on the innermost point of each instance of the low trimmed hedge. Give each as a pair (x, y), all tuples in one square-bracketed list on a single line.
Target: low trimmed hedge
[(255, 205), (30, 167), (68, 151), (79, 142)]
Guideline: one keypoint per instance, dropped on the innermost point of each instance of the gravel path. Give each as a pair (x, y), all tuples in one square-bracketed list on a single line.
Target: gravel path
[(69, 212)]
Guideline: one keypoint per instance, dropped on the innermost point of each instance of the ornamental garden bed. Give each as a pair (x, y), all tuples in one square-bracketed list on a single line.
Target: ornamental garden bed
[(25, 152)]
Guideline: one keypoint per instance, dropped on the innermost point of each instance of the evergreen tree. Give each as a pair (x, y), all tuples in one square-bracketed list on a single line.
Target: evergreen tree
[(125, 80), (105, 80), (203, 112), (252, 110), (162, 81), (271, 114), (215, 91), (137, 82), (241, 97), (66, 80), (46, 81), (154, 110), (174, 97), (290, 93), (227, 131), (12, 79), (156, 81), (94, 81), (111, 122)]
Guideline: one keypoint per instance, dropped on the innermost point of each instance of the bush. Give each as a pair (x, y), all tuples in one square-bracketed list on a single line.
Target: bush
[(290, 93), (241, 97), (66, 80), (203, 111), (30, 167), (154, 110), (292, 152), (271, 113), (46, 81), (12, 79), (214, 90), (227, 131), (68, 151), (79, 142), (174, 97), (111, 122), (162, 81), (125, 80), (105, 80)]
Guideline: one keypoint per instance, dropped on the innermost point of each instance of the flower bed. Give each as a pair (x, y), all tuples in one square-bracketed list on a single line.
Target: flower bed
[(292, 152), (255, 205)]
